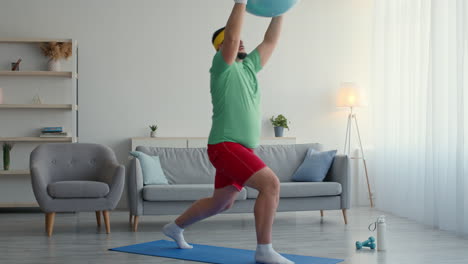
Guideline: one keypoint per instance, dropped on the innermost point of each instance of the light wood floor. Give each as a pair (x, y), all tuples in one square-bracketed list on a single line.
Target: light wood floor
[(77, 239)]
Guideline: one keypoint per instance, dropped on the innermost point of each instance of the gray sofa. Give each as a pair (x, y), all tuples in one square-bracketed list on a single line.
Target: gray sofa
[(191, 176)]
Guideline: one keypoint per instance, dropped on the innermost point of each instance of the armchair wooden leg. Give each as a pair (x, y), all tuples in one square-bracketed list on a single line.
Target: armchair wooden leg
[(135, 223), (321, 213), (106, 221), (98, 218), (50, 219), (344, 216)]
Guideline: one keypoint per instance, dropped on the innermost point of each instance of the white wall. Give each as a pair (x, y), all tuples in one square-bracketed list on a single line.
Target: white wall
[(147, 61)]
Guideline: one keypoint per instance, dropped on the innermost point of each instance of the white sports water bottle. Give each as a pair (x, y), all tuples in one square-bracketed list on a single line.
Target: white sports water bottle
[(381, 227), (381, 230)]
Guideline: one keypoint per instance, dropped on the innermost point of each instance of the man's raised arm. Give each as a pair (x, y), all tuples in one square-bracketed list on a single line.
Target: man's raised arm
[(272, 35), (232, 33)]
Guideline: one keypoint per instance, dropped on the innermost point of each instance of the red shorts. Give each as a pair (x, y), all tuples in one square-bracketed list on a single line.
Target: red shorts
[(234, 164)]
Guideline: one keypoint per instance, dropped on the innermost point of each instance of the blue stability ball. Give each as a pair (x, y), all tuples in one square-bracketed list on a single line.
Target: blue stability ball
[(270, 8)]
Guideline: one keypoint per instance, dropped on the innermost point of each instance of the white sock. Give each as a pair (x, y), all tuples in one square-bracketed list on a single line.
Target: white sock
[(267, 255), (173, 231)]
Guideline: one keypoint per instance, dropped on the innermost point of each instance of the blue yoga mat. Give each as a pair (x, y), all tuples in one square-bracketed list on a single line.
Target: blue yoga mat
[(210, 254)]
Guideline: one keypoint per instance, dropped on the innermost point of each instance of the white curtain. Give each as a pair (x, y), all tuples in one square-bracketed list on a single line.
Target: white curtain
[(419, 98)]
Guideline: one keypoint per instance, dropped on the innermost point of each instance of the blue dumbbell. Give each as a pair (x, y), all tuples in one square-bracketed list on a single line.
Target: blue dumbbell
[(370, 243)]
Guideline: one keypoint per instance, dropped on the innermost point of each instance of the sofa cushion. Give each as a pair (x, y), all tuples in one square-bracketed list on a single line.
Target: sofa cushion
[(302, 189), (78, 189), (151, 168), (182, 192), (284, 159), (315, 166), (183, 165)]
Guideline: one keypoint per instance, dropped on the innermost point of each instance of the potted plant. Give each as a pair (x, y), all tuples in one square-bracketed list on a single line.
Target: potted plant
[(56, 51), (279, 123), (6, 155), (153, 130)]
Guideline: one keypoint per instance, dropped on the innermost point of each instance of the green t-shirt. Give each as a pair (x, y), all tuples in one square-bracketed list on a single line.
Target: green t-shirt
[(236, 101)]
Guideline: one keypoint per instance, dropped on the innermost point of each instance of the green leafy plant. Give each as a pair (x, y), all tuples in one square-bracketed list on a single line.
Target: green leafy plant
[(6, 155), (280, 121), (153, 128)]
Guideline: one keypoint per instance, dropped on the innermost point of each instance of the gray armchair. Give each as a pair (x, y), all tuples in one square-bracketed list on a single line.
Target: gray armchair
[(76, 177)]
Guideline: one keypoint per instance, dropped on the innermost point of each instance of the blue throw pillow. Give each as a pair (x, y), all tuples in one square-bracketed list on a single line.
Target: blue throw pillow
[(315, 166), (151, 168)]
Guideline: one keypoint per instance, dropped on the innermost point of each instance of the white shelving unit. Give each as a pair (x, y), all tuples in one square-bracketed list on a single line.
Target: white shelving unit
[(62, 74), (30, 76), (36, 139), (15, 172), (39, 106), (18, 205), (32, 40)]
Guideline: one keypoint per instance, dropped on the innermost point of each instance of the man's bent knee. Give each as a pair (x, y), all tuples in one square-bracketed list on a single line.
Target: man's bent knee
[(272, 187), (223, 206), (228, 206), (265, 181), (224, 199)]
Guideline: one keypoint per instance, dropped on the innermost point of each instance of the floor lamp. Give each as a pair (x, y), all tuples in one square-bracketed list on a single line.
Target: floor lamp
[(349, 96)]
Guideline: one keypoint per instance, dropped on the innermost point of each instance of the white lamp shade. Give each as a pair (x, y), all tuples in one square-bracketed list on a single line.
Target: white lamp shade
[(349, 95)]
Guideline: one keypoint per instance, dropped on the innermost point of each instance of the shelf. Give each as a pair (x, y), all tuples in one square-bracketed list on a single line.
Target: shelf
[(174, 138), (67, 109), (13, 205), (38, 73), (38, 106), (31, 40), (14, 172), (35, 139)]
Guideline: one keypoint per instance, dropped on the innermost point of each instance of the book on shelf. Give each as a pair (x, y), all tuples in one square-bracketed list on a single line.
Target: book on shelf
[(51, 129), (54, 134)]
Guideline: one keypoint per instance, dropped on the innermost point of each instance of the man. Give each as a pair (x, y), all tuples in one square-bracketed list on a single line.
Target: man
[(235, 133)]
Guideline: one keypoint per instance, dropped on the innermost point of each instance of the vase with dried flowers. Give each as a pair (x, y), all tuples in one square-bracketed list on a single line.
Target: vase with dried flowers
[(6, 155), (56, 51)]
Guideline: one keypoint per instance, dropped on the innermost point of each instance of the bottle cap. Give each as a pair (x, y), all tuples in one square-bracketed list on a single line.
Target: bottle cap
[(381, 219)]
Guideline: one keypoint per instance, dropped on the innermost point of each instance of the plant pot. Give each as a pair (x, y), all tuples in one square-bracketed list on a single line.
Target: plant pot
[(153, 134), (279, 131), (6, 160), (54, 65)]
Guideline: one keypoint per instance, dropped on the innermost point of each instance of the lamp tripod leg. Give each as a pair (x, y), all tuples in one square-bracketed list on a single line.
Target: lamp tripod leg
[(364, 162), (348, 135)]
